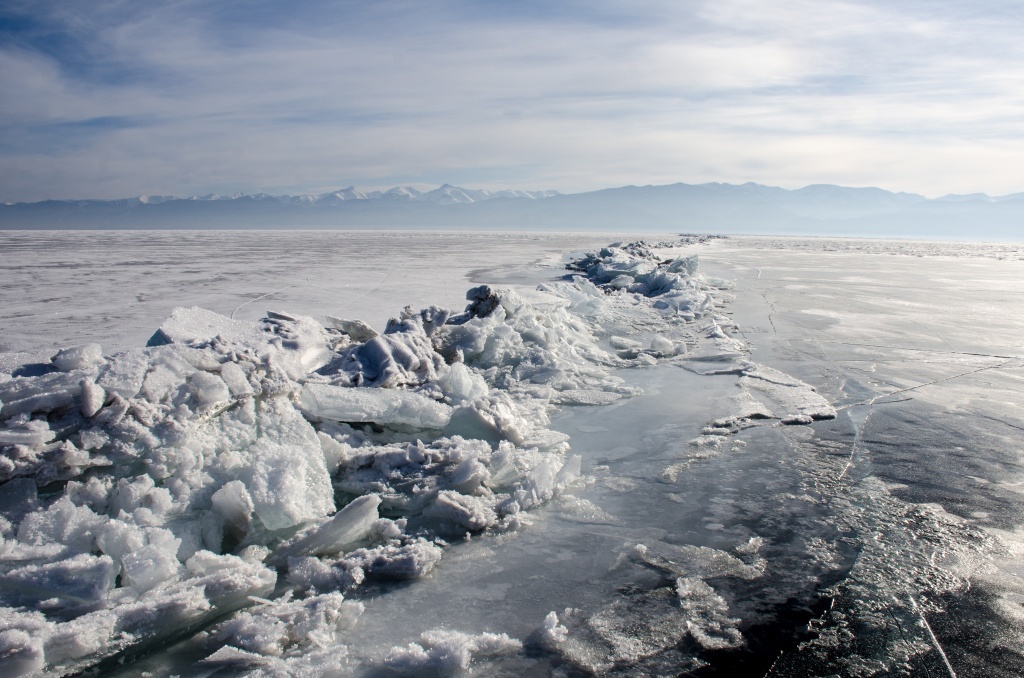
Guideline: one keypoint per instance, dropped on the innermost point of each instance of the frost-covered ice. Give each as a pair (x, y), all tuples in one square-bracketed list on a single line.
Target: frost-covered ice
[(608, 472)]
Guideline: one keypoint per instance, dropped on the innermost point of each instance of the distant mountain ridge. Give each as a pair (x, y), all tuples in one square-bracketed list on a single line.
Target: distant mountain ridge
[(819, 209), (443, 195)]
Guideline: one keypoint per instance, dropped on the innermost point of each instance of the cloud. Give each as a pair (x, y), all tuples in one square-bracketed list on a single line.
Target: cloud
[(188, 97)]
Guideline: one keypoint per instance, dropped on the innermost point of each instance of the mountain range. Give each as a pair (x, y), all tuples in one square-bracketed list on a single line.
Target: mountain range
[(443, 195), (820, 209)]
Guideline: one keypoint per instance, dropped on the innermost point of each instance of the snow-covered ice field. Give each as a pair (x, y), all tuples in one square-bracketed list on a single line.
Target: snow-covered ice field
[(792, 457), (119, 286)]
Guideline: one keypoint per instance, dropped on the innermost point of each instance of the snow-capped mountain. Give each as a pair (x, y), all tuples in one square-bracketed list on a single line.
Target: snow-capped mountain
[(443, 195), (820, 209)]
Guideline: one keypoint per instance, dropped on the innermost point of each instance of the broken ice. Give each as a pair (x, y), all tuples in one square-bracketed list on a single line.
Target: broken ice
[(253, 480)]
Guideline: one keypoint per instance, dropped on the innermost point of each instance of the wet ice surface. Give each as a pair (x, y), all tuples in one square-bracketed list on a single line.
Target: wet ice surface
[(704, 536), (921, 354)]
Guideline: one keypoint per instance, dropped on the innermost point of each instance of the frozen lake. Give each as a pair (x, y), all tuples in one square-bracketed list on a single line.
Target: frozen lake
[(876, 532), (119, 286)]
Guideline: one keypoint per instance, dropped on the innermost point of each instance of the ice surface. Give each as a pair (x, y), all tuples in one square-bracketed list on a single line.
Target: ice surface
[(257, 487), (117, 288)]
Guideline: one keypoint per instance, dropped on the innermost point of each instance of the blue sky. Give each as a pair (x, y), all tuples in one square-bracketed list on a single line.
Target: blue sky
[(115, 98)]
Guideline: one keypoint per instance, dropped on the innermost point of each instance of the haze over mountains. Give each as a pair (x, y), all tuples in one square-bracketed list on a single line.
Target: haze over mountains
[(713, 208)]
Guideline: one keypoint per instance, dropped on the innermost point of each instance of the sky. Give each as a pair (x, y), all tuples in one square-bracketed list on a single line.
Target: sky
[(118, 98)]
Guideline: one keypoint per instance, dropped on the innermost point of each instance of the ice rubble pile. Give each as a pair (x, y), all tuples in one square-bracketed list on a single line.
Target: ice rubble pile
[(628, 289), (635, 268), (154, 491)]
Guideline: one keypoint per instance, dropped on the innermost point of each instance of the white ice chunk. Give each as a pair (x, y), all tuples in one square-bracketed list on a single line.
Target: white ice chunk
[(299, 343), (78, 357), (151, 565), (228, 579), (461, 385), (389, 561), (357, 329), (286, 475), (688, 265), (628, 631), (62, 523), (118, 538), (280, 485), (24, 395), (403, 356), (140, 492), (43, 402), (496, 419), (791, 399), (743, 406), (624, 343), (124, 373), (469, 475), (472, 513), (197, 325), (697, 561), (208, 388), (553, 633), (347, 527), (542, 480), (334, 452), (663, 347), (444, 652), (276, 627), (83, 578), (471, 422), (321, 575), (32, 434), (93, 397), (236, 380), (503, 468), (707, 615), (380, 406), (163, 382), (80, 637), (205, 358), (24, 389), (233, 503), (587, 287), (570, 471)]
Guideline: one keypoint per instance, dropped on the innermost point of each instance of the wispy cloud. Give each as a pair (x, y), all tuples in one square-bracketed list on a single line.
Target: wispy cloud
[(122, 98)]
